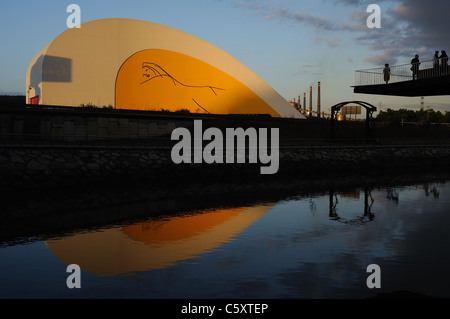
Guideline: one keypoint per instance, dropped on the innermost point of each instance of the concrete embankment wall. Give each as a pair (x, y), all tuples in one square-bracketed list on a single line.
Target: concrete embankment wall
[(85, 124), (31, 167), (77, 147)]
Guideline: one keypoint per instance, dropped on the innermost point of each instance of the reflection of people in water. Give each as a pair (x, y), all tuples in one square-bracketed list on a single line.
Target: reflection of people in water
[(392, 195)]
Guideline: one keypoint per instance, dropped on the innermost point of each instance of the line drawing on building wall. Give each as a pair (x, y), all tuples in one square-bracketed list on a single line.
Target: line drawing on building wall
[(159, 72)]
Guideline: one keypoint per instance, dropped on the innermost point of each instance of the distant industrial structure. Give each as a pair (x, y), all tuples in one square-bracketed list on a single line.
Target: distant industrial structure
[(308, 113)]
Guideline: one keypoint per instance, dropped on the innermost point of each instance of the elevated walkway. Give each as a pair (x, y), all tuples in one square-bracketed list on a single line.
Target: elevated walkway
[(431, 80)]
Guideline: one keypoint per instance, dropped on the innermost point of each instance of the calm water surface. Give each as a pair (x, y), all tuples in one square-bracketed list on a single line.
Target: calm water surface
[(303, 246)]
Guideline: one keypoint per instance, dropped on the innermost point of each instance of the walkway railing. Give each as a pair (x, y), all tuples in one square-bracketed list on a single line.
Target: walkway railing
[(401, 73)]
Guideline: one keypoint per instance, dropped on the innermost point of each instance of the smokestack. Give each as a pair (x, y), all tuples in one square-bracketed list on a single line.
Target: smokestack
[(304, 103), (310, 101), (318, 101)]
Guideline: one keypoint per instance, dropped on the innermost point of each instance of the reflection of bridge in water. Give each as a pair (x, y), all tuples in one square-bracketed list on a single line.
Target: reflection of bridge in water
[(432, 80), (367, 215)]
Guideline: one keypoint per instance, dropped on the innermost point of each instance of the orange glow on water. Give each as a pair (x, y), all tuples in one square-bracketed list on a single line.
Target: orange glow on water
[(154, 244), (179, 228)]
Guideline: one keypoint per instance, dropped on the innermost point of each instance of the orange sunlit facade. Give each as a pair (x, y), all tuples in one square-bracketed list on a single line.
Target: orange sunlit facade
[(140, 65), (160, 79)]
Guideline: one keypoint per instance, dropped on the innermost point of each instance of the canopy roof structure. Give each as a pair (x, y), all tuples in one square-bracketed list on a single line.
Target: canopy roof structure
[(133, 64)]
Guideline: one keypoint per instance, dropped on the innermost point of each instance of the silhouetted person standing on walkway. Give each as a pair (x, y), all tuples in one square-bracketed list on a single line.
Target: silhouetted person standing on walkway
[(444, 61), (436, 64), (387, 73), (415, 67)]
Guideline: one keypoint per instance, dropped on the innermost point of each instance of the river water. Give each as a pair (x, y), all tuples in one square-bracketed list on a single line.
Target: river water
[(280, 242)]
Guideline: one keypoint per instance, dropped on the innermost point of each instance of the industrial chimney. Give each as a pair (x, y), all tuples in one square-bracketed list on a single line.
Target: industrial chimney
[(310, 101), (318, 101), (304, 103)]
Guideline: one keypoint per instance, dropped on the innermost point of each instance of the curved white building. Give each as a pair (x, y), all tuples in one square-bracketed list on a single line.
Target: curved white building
[(132, 64)]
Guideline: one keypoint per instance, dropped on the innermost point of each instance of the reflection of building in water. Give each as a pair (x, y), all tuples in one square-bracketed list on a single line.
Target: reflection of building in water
[(367, 215), (154, 244), (132, 64)]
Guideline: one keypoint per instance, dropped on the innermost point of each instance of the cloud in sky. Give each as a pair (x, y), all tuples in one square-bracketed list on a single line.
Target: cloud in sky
[(279, 12), (427, 22), (332, 43), (408, 26)]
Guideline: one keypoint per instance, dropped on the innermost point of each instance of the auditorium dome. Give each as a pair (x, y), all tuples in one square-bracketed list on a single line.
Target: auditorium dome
[(140, 65)]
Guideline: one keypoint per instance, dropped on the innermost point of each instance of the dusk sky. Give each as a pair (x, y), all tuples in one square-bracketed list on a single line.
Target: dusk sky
[(289, 44)]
